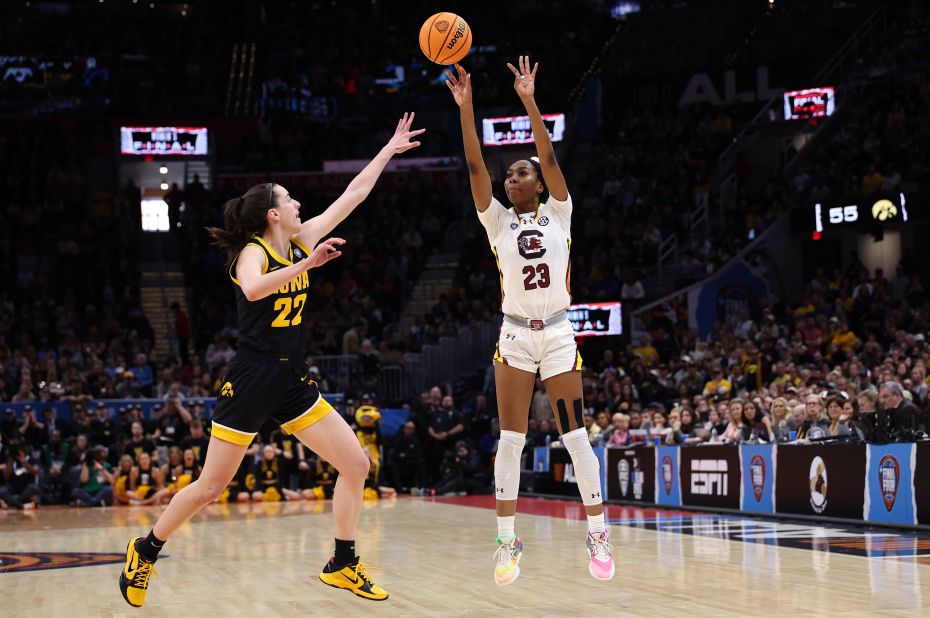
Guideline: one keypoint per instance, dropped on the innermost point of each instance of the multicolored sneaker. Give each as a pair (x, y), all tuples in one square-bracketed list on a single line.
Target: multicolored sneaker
[(507, 558), (134, 580), (602, 561), (353, 578)]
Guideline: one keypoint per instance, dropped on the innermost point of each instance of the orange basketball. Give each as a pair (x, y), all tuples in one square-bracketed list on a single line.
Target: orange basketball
[(445, 38)]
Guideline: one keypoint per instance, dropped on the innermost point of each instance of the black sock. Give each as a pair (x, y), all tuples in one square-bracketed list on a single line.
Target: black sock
[(149, 547), (345, 553)]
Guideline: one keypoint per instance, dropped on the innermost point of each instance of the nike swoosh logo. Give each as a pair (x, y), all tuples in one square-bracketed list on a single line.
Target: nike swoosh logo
[(133, 565), (354, 580)]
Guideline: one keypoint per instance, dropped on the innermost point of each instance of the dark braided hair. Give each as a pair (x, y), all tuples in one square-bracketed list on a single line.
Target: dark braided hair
[(243, 218)]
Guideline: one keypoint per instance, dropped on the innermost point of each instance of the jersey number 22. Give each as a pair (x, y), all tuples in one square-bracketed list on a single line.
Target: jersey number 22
[(285, 306)]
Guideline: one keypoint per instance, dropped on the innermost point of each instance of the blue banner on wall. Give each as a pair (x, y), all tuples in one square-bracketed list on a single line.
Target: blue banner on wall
[(668, 489), (735, 289), (757, 462), (889, 486), (392, 419), (601, 453)]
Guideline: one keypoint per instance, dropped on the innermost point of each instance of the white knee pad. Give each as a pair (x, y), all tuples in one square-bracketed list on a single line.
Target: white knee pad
[(587, 466), (507, 465)]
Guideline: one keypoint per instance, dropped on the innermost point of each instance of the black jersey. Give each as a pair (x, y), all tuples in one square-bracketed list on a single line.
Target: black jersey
[(269, 473), (273, 325)]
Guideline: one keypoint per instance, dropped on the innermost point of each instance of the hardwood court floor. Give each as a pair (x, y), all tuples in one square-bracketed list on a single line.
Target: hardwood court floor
[(434, 556)]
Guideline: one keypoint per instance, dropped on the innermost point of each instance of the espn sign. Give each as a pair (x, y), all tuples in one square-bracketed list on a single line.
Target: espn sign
[(709, 477)]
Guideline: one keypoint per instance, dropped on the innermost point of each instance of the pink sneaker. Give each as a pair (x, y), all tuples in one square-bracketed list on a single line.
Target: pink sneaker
[(602, 561)]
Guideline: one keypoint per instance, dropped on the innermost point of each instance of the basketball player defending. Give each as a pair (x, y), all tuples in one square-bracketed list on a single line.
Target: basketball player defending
[(531, 243), (269, 256)]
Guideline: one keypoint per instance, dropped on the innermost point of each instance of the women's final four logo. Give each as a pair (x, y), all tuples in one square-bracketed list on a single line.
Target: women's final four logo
[(757, 476), (889, 478), (667, 474)]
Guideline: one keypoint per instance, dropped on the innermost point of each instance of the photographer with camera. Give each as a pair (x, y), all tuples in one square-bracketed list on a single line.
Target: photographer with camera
[(173, 422), (20, 475), (462, 471), (31, 431), (96, 480)]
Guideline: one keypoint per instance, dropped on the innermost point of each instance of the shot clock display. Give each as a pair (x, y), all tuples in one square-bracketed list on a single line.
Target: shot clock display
[(887, 209)]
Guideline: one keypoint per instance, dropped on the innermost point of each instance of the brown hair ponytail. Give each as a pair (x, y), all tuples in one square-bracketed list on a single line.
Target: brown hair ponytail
[(243, 217)]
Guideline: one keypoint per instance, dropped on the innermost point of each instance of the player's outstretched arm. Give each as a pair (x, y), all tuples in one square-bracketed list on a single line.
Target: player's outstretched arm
[(256, 285), (460, 85), (525, 84), (319, 226)]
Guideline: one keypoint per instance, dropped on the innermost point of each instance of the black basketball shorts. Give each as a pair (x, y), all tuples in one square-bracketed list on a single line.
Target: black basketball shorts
[(257, 388)]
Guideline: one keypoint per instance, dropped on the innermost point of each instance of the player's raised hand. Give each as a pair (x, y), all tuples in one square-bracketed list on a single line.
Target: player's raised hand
[(324, 252), (460, 85), (524, 81), (400, 141)]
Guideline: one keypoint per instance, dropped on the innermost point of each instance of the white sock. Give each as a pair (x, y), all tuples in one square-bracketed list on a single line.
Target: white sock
[(595, 523), (505, 527)]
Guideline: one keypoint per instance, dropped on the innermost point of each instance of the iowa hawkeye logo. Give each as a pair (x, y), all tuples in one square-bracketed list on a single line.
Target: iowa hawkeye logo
[(530, 245)]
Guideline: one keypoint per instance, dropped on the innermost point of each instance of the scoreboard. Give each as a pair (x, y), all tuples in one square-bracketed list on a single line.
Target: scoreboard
[(511, 130)]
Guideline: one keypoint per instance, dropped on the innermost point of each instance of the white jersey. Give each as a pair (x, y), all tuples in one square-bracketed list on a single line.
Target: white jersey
[(532, 252)]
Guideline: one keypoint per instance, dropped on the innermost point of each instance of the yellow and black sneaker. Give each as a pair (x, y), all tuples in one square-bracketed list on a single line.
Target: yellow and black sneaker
[(134, 580), (353, 578)]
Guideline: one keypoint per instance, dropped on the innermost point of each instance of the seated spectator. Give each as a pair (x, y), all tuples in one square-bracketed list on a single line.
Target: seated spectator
[(734, 429), (837, 426), (444, 425), (687, 425), (55, 451), (755, 425), (779, 413), (138, 443), (95, 483), (815, 421), (31, 431), (79, 451), (269, 478), (891, 397), (53, 485), (597, 432), (461, 471), (146, 482), (103, 429), (718, 389), (121, 480), (405, 459), (197, 441), (620, 435)]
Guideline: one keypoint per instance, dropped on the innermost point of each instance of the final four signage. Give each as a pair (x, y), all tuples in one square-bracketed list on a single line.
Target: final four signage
[(174, 141)]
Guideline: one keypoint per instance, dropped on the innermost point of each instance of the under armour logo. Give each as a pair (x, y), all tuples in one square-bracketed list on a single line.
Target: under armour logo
[(500, 490), (596, 495), (227, 390)]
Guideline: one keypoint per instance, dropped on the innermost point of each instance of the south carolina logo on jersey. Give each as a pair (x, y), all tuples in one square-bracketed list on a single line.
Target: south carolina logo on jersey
[(530, 244)]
